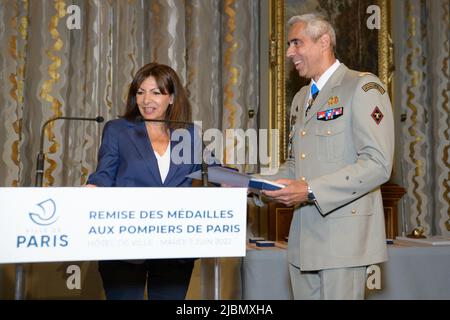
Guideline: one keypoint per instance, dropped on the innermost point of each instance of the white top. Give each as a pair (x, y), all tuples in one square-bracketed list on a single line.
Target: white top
[(163, 162), (325, 76)]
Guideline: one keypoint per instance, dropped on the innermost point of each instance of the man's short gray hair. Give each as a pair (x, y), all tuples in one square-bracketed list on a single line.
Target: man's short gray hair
[(316, 26)]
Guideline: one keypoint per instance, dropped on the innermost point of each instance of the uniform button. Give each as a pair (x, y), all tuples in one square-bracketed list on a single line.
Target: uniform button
[(303, 133), (328, 132), (303, 179), (303, 156), (353, 211)]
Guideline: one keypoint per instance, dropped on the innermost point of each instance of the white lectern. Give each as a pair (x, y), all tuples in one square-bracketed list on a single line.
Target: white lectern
[(82, 224)]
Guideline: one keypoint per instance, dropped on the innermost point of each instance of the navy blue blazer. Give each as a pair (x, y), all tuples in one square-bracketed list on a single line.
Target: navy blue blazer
[(126, 158)]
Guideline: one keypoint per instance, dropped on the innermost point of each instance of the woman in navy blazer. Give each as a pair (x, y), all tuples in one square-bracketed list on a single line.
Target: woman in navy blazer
[(137, 153)]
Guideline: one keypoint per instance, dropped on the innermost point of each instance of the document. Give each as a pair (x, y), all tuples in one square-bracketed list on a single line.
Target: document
[(222, 175), (261, 184), (430, 241)]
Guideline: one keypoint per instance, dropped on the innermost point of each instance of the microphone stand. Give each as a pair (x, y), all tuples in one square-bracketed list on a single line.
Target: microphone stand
[(40, 157), (204, 171), (20, 268)]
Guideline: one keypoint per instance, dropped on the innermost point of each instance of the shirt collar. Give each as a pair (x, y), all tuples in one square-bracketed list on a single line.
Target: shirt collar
[(326, 75)]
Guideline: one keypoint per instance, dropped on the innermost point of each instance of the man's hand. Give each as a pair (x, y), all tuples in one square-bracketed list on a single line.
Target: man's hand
[(293, 194)]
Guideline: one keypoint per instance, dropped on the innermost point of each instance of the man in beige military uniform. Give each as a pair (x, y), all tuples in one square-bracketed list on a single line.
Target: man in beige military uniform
[(341, 146)]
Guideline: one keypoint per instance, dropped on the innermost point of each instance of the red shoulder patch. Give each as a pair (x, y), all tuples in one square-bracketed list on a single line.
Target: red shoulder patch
[(377, 115)]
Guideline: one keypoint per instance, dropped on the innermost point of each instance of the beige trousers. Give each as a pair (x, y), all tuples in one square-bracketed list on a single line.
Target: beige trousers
[(329, 284)]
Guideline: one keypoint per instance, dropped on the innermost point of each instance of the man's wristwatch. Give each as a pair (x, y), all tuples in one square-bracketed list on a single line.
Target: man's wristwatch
[(311, 197)]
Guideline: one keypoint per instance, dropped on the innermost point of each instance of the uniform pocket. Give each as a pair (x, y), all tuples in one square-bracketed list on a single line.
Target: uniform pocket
[(360, 207), (349, 228), (330, 141)]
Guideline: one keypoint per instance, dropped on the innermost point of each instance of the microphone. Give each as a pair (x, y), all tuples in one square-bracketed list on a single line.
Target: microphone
[(187, 123), (40, 157)]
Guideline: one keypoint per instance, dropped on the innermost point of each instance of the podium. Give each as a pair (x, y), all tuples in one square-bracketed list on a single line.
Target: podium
[(84, 224), (279, 221), (391, 194)]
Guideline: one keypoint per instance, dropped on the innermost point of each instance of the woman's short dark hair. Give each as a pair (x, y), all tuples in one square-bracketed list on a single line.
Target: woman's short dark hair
[(168, 83)]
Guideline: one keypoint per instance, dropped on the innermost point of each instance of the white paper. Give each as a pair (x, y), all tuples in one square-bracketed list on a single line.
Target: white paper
[(223, 175), (431, 241), (234, 178)]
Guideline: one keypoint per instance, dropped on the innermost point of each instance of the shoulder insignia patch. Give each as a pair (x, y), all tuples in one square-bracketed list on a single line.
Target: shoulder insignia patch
[(377, 115), (373, 85)]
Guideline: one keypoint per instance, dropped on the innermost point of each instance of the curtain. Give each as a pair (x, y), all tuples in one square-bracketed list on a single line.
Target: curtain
[(50, 66), (77, 58), (423, 96)]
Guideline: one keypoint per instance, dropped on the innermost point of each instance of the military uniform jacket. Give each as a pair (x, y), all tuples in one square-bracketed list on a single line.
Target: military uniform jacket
[(344, 150)]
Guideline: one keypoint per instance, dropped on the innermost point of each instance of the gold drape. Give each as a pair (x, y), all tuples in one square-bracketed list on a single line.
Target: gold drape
[(424, 102), (48, 68)]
